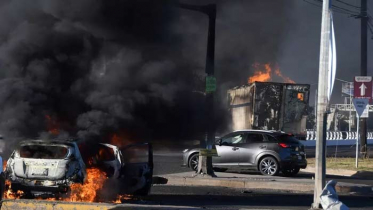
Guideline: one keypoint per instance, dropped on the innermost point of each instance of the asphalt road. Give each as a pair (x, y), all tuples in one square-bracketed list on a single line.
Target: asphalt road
[(227, 198)]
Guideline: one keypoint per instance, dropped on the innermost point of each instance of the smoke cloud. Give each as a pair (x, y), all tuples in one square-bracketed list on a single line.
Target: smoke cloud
[(136, 68)]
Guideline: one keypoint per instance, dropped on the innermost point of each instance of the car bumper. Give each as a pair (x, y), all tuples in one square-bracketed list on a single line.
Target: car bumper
[(28, 185), (294, 163), (185, 160)]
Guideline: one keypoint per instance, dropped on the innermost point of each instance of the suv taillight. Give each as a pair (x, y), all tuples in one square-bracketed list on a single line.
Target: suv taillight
[(283, 145)]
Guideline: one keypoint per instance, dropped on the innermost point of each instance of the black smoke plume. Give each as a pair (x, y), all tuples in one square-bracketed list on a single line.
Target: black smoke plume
[(92, 68)]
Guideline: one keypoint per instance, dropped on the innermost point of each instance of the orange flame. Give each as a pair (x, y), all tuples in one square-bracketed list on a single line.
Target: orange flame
[(120, 198), (121, 140), (115, 140), (52, 125), (9, 194), (259, 75), (285, 78), (86, 192), (264, 73)]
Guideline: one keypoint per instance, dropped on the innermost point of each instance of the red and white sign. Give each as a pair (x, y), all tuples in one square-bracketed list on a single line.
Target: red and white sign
[(363, 87)]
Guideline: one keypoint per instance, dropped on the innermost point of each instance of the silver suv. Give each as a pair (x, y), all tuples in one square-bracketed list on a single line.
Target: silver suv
[(269, 152)]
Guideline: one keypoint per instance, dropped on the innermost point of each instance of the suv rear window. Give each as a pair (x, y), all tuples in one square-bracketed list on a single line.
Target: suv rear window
[(43, 151), (287, 139)]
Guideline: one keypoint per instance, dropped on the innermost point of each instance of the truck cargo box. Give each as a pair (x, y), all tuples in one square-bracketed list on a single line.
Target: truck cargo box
[(270, 106)]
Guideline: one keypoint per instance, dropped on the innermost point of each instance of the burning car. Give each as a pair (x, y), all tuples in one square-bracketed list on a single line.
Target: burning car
[(50, 168), (129, 168), (39, 167)]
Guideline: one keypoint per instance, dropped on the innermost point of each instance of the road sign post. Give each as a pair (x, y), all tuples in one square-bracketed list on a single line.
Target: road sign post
[(363, 89), (357, 142), (361, 104)]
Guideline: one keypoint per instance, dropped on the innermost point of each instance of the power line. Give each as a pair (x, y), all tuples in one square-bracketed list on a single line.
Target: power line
[(313, 3), (336, 8), (345, 3)]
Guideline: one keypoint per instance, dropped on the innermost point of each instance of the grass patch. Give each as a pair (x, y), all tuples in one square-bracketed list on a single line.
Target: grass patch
[(345, 163)]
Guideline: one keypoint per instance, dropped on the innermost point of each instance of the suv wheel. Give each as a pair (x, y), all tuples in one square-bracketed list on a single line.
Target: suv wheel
[(291, 171), (193, 162), (268, 166)]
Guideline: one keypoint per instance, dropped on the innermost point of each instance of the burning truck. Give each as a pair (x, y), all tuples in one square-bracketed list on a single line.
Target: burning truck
[(270, 106)]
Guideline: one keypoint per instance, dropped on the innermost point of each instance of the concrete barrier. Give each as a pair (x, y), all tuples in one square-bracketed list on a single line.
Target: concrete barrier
[(336, 138), (28, 204)]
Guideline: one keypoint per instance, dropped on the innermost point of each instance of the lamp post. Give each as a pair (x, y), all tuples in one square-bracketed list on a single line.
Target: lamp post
[(210, 11)]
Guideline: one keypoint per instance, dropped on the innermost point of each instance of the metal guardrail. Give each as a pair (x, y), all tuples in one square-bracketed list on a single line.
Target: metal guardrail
[(347, 107), (337, 135)]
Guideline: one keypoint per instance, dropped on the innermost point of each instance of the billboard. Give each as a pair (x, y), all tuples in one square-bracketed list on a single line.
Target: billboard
[(348, 88)]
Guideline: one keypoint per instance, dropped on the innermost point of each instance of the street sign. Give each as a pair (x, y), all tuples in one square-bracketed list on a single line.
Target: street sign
[(361, 107), (363, 87), (208, 152), (210, 84)]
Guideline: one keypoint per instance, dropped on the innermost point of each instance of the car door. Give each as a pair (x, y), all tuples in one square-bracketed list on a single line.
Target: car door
[(137, 171), (228, 149), (255, 144)]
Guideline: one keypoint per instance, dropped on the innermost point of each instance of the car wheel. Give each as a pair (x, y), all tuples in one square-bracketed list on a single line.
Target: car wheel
[(193, 162), (291, 171), (268, 166)]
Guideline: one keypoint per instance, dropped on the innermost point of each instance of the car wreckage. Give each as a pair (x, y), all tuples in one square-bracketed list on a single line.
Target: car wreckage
[(41, 167)]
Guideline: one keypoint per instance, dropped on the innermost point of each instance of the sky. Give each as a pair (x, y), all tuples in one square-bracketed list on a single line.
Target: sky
[(301, 46)]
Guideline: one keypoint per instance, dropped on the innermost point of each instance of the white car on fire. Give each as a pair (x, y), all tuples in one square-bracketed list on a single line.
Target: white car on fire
[(40, 166), (49, 167)]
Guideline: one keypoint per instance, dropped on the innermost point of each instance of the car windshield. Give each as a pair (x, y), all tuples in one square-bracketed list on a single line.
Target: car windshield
[(105, 153), (287, 139), (43, 151)]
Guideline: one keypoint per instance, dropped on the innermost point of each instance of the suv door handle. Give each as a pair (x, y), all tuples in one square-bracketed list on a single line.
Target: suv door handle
[(235, 148), (262, 146)]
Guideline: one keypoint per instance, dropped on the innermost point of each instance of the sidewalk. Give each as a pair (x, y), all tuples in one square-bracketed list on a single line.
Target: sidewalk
[(248, 181), (343, 172)]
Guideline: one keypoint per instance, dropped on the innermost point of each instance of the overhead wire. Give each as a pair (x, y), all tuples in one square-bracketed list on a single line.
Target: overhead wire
[(317, 5), (348, 4), (342, 10), (335, 8)]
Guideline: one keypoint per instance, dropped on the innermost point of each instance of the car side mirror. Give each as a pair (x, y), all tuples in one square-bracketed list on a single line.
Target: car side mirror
[(219, 142)]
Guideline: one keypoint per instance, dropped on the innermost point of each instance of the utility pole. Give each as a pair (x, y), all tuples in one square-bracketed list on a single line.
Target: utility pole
[(210, 11), (364, 71), (322, 105)]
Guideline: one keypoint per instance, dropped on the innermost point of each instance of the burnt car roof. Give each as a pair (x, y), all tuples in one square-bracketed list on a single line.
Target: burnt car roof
[(55, 141)]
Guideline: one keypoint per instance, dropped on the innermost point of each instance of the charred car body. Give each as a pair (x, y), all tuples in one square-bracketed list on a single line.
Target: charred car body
[(40, 167), (129, 168)]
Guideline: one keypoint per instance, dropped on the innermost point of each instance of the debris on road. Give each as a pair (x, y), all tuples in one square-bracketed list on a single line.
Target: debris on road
[(329, 198)]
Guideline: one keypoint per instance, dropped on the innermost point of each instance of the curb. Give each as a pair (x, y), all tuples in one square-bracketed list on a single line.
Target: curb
[(307, 186), (342, 172), (28, 204)]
